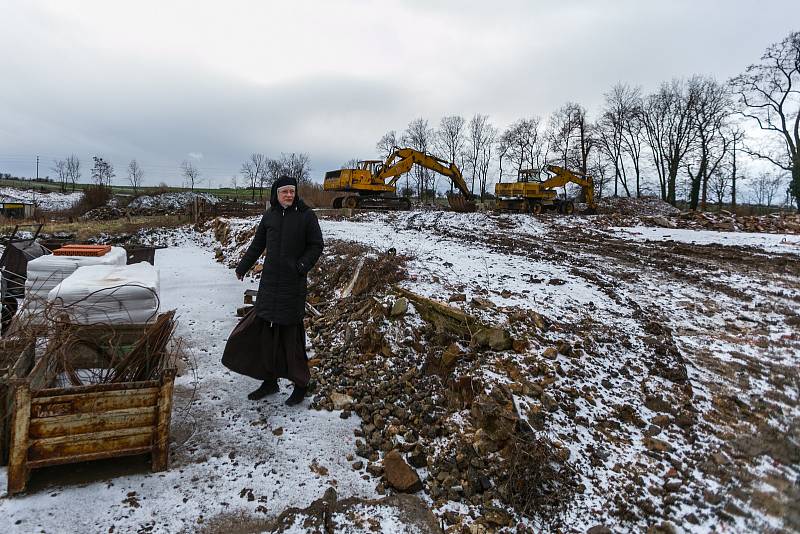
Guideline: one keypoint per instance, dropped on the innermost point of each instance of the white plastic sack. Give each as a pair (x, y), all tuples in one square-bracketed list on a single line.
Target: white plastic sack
[(111, 294), (46, 272)]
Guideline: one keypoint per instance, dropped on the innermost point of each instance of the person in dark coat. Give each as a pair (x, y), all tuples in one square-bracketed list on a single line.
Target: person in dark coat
[(270, 342)]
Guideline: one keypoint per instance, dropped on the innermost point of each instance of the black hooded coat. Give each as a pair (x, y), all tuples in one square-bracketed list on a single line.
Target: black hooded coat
[(293, 242), (270, 342)]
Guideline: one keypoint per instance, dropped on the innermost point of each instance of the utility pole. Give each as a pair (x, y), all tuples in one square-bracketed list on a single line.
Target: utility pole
[(33, 199)]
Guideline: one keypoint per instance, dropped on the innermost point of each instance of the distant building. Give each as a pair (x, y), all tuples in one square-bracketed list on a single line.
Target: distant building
[(14, 208)]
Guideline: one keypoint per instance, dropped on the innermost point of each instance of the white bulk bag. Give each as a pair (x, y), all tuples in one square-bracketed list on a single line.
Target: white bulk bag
[(111, 294)]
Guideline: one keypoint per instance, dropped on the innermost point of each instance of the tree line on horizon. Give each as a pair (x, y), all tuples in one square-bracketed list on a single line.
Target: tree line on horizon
[(689, 133)]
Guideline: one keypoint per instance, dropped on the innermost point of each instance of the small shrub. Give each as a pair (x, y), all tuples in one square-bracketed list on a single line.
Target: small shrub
[(94, 196)]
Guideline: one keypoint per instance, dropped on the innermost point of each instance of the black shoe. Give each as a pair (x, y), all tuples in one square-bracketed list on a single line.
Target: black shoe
[(268, 387), (297, 396)]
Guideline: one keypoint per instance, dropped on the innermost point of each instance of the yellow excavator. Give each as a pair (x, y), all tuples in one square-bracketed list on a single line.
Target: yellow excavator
[(373, 184), (530, 194)]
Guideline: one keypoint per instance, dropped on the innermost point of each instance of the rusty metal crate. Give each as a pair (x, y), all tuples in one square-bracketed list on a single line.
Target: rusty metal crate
[(16, 361), (52, 426)]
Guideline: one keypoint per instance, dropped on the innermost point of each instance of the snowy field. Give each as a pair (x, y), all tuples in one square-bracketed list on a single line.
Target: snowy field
[(720, 306), (44, 201)]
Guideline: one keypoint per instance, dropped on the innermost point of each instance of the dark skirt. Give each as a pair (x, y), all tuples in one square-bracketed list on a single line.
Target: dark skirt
[(264, 351)]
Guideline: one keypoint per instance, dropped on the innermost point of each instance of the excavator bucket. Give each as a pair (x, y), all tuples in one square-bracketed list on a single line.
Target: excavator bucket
[(460, 203)]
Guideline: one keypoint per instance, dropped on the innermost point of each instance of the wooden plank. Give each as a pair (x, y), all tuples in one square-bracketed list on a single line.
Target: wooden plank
[(160, 460), (95, 390), (97, 442), (17, 468), (50, 427), (89, 457), (95, 404)]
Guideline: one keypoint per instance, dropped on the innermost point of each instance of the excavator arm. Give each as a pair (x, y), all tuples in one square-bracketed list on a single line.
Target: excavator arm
[(562, 177), (402, 160)]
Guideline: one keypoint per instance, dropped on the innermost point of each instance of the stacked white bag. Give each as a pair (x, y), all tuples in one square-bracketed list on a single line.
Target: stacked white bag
[(111, 294), (46, 272)]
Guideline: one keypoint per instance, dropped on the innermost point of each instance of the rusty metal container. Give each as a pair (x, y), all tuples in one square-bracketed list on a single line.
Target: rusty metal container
[(16, 361), (61, 425)]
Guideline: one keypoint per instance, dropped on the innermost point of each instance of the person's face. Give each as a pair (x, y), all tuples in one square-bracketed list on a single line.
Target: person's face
[(286, 195)]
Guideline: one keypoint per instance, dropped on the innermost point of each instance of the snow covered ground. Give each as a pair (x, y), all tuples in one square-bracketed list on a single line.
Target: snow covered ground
[(232, 457), (46, 201), (712, 451)]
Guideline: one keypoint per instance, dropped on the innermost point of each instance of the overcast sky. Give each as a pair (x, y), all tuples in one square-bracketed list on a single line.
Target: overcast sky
[(211, 82)]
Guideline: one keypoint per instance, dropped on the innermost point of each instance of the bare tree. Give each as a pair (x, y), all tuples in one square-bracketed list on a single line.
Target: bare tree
[(254, 170), (520, 138), (485, 157), (709, 112), (60, 168), (720, 181), (419, 136), (387, 144), (670, 132), (450, 139), (632, 139), (296, 165), (736, 136), (568, 134), (73, 170), (598, 168), (616, 134), (502, 150), (135, 175), (274, 171), (770, 96), (190, 173), (102, 172), (351, 163), (478, 133), (765, 187)]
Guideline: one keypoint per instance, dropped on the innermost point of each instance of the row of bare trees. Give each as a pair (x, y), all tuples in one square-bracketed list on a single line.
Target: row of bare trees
[(260, 171), (68, 172), (689, 134)]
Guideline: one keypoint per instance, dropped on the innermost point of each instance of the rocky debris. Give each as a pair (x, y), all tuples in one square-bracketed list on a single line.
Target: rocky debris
[(511, 436), (328, 515), (167, 202), (399, 474), (652, 211), (105, 213), (399, 308), (493, 338), (340, 401), (775, 223), (636, 207)]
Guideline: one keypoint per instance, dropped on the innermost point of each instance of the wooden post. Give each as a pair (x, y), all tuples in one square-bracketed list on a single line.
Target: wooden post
[(18, 455), (160, 455)]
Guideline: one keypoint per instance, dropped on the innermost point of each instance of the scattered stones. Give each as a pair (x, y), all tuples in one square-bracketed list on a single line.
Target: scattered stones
[(399, 308), (340, 400), (399, 474)]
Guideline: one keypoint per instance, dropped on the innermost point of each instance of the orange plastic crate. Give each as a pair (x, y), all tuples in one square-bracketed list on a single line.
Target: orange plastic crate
[(82, 250)]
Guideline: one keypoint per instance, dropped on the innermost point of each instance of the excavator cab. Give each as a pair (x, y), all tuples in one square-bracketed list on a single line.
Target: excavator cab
[(529, 175)]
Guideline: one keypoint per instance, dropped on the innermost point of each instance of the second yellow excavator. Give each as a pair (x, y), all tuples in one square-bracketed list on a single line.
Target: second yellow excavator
[(373, 184), (530, 195)]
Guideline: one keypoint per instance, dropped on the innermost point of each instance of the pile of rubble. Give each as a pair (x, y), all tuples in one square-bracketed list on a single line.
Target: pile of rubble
[(409, 368), (775, 223), (635, 207), (104, 213), (166, 203)]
